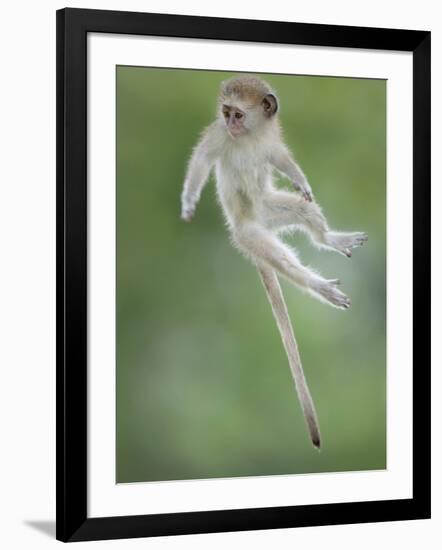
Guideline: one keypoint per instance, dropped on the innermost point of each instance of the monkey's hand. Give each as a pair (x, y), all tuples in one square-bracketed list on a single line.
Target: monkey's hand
[(188, 207), (305, 189)]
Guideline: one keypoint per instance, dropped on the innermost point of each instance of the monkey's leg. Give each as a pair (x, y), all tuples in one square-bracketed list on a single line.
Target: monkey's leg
[(282, 209), (263, 246), (279, 308)]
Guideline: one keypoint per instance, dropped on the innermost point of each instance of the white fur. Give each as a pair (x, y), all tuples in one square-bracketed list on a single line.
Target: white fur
[(257, 213)]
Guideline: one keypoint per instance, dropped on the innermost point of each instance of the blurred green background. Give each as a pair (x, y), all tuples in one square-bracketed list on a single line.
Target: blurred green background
[(203, 384)]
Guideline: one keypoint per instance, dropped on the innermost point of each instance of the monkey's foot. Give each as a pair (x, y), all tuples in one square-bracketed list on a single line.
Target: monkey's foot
[(328, 291), (344, 242)]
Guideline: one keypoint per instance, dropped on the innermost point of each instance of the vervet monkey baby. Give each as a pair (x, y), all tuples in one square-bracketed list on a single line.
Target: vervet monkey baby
[(244, 144)]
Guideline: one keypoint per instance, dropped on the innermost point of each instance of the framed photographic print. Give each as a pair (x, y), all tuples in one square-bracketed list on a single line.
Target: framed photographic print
[(243, 274)]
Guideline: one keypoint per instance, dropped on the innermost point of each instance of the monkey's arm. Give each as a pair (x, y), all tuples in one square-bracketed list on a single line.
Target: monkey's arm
[(201, 162), (283, 161)]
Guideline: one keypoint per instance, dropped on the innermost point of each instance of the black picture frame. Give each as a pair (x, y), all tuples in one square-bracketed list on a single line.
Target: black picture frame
[(73, 25)]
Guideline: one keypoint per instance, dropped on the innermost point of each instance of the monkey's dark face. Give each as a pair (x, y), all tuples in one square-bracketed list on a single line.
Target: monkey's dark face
[(247, 115), (235, 120)]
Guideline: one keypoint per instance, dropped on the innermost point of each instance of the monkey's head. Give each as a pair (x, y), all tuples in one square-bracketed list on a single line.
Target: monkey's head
[(246, 104)]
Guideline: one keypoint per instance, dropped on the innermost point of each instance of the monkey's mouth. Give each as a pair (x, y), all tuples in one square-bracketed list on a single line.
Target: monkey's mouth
[(236, 132)]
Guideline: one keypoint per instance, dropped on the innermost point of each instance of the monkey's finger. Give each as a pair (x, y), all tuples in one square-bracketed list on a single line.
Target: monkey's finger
[(308, 196), (186, 216)]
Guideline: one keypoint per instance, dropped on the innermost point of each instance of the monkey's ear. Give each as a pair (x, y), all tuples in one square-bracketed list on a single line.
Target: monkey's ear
[(270, 104)]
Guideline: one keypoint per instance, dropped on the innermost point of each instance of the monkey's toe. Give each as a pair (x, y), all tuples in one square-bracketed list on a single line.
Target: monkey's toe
[(331, 294)]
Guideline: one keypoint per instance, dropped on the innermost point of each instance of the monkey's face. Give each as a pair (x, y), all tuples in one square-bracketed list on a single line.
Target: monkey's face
[(247, 115), (235, 119)]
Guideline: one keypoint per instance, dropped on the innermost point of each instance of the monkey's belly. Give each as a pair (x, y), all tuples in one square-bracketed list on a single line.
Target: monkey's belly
[(238, 202), (240, 188)]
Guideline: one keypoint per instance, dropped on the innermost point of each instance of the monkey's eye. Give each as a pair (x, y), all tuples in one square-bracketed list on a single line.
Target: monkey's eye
[(238, 115)]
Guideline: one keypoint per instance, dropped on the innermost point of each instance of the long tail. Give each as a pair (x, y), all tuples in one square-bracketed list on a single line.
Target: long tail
[(279, 308)]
